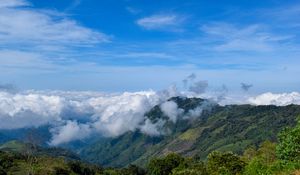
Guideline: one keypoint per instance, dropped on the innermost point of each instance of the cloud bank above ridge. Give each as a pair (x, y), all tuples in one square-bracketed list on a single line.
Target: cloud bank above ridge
[(77, 115)]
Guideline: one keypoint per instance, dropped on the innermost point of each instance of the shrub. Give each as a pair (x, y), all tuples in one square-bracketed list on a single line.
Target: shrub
[(164, 166), (288, 148)]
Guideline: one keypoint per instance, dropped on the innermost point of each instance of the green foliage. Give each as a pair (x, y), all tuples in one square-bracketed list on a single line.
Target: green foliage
[(267, 152), (249, 154), (254, 161), (29, 149), (15, 163), (288, 148), (133, 170), (164, 166), (6, 160), (260, 161), (191, 166), (189, 172), (224, 163), (264, 161), (81, 168), (257, 166)]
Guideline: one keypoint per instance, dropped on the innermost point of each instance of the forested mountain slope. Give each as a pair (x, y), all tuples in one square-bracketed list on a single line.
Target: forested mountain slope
[(223, 128)]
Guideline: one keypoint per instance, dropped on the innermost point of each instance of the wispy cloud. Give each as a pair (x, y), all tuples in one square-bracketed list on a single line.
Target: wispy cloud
[(285, 15), (248, 38), (146, 55), (73, 5), (28, 26), (33, 39), (133, 10), (13, 3), (170, 22)]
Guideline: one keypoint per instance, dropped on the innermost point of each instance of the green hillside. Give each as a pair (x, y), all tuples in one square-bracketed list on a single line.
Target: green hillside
[(223, 128), (19, 147), (269, 158)]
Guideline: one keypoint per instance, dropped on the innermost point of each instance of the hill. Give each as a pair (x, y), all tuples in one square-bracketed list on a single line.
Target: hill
[(28, 149), (223, 128)]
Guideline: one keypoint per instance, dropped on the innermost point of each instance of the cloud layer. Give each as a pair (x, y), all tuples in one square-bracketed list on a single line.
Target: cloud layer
[(276, 99), (76, 115)]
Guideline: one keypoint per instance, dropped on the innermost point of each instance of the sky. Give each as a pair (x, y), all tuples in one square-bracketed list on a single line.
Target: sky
[(136, 45)]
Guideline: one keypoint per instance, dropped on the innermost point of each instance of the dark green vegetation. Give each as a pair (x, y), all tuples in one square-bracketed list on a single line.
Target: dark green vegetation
[(22, 164), (219, 128), (282, 158), (18, 158), (18, 147)]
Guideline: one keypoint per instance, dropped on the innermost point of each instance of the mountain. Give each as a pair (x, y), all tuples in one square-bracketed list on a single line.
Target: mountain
[(41, 133), (223, 128), (19, 147)]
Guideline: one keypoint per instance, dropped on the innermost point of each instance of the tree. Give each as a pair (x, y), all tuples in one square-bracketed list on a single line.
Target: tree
[(288, 148), (267, 151), (6, 161), (224, 163), (260, 161), (133, 170), (190, 166), (249, 154), (164, 166), (33, 140)]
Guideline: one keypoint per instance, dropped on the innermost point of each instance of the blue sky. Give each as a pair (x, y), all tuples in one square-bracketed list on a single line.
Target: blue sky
[(132, 45)]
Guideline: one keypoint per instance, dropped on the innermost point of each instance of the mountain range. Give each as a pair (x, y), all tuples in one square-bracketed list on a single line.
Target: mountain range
[(224, 128), (211, 127)]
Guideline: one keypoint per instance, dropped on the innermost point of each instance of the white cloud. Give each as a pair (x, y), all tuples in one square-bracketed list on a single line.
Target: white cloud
[(69, 132), (77, 115), (170, 22), (171, 110), (146, 55), (14, 59), (152, 129), (20, 110), (118, 114), (29, 26), (276, 99), (13, 3)]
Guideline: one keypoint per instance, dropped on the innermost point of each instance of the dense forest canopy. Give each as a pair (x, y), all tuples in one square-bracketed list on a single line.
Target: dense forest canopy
[(269, 158)]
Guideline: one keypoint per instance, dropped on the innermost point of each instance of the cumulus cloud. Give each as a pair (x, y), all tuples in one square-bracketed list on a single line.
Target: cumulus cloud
[(74, 115), (276, 99), (70, 131), (19, 110)]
